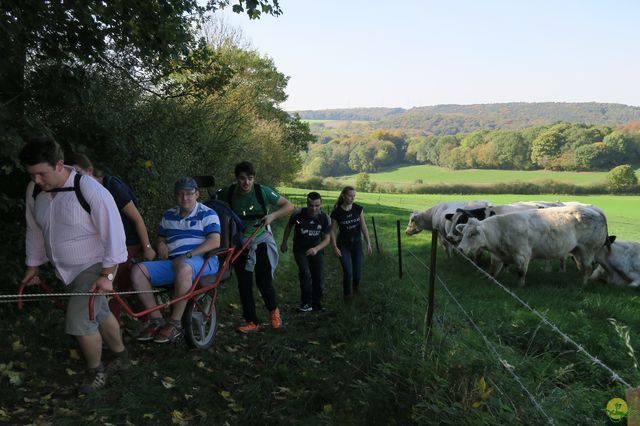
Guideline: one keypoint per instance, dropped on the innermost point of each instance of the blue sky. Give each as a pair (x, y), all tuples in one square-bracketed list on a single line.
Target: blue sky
[(405, 53)]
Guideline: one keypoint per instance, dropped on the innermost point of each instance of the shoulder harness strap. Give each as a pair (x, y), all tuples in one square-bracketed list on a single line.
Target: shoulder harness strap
[(76, 188)]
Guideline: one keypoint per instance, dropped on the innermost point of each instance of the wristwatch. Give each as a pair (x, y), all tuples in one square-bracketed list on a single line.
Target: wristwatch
[(110, 276), (189, 255)]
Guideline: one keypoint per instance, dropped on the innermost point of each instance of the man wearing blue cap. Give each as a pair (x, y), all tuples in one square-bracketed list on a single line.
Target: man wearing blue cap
[(186, 232)]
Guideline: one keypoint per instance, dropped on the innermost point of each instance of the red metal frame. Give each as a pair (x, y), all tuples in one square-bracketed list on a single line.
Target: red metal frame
[(232, 254)]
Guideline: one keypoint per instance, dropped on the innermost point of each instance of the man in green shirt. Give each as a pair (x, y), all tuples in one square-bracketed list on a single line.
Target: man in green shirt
[(254, 203)]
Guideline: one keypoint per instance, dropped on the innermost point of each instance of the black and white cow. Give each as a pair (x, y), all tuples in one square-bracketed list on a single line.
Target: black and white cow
[(434, 219)]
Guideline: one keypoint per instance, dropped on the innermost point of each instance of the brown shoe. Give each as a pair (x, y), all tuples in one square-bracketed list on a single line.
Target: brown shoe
[(149, 330), (171, 331)]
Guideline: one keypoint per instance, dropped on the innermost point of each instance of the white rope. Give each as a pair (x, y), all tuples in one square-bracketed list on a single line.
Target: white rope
[(45, 295), (495, 352)]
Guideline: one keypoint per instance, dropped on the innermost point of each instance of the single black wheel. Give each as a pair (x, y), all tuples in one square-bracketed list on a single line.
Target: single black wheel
[(200, 321)]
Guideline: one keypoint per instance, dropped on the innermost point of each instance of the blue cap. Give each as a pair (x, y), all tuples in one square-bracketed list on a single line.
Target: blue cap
[(185, 183)]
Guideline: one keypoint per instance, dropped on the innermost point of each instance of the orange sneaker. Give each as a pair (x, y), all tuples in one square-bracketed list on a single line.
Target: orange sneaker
[(248, 327), (276, 322)]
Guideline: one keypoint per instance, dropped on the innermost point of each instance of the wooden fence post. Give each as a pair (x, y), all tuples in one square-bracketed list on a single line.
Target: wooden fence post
[(632, 396), (375, 234), (399, 249), (432, 280)]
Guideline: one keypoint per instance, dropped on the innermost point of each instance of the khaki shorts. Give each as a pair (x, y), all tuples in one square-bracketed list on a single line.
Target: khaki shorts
[(77, 321)]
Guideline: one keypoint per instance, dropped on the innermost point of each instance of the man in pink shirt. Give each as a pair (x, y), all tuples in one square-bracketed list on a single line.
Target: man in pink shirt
[(74, 224)]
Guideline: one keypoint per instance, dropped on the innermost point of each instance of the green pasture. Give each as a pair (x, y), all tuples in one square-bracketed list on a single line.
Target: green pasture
[(623, 212), (434, 175)]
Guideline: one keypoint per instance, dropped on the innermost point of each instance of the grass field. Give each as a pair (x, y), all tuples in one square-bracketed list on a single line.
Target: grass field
[(361, 363), (434, 174), (623, 212)]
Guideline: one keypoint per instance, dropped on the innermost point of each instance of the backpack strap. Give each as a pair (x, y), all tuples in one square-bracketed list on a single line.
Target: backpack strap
[(76, 188), (227, 195), (83, 201), (260, 197)]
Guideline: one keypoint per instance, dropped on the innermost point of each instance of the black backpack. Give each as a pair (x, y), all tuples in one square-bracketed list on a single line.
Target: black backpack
[(76, 188), (226, 195)]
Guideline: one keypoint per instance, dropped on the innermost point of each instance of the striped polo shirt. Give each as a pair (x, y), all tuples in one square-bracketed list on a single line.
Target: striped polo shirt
[(183, 234)]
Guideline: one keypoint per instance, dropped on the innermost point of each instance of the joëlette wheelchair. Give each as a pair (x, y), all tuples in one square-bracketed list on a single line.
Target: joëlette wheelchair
[(200, 318)]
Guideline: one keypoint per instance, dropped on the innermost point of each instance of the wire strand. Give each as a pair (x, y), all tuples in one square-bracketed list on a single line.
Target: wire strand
[(491, 347)]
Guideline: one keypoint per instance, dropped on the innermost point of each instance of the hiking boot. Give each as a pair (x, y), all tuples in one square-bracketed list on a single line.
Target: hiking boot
[(169, 332), (120, 363), (94, 379), (149, 330), (305, 308), (276, 322), (248, 327)]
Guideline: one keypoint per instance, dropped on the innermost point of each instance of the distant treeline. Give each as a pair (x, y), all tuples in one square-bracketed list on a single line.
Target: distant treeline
[(364, 183), (559, 146), (454, 119)]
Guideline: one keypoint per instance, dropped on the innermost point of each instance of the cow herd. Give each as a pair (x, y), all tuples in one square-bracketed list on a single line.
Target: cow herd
[(514, 234)]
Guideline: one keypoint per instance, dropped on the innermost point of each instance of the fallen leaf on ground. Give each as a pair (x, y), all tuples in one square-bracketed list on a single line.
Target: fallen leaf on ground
[(180, 418), (168, 382), (17, 346)]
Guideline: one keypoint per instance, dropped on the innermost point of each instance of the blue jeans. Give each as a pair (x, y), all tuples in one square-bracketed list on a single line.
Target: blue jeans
[(351, 262)]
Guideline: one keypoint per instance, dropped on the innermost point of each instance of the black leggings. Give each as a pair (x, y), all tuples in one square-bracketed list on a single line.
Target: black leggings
[(264, 282)]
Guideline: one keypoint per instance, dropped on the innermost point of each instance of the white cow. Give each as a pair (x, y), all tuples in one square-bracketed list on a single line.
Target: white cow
[(462, 215), (434, 219), (619, 264), (552, 233)]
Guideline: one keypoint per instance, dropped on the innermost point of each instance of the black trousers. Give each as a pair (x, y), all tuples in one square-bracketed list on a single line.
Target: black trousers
[(264, 282), (311, 275)]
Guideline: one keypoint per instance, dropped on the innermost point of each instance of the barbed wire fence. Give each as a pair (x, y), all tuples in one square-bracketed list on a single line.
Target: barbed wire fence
[(501, 360), (492, 348)]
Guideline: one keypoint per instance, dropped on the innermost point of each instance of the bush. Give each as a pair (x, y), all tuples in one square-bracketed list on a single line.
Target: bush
[(363, 182), (622, 179), (313, 182)]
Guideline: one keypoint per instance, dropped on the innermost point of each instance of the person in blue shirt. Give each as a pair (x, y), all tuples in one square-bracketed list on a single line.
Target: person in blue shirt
[(186, 232), (134, 227)]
